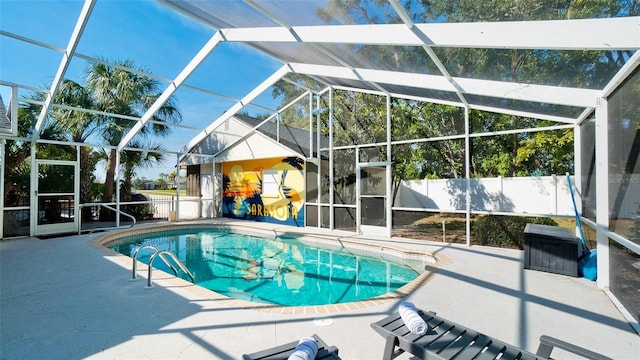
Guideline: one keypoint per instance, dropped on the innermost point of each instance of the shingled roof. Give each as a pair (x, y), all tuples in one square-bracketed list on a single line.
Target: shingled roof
[(5, 121), (294, 138)]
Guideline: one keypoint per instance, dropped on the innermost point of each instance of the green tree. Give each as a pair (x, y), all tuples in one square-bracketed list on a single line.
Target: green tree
[(162, 183), (116, 90), (135, 159), (78, 126), (504, 155), (549, 150), (171, 180), (442, 158), (138, 183), (296, 115), (413, 120), (18, 153), (359, 118)]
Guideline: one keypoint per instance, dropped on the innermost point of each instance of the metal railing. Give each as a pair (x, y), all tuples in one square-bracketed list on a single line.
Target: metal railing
[(161, 254), (174, 258), (134, 269), (133, 219)]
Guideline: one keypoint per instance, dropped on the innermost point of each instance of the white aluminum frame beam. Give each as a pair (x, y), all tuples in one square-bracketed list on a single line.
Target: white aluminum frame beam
[(22, 86), (284, 70), (117, 66), (83, 18), (525, 114), (426, 46), (499, 89), (125, 117), (602, 192), (337, 58), (215, 40), (619, 33), (13, 110), (622, 74), (104, 113)]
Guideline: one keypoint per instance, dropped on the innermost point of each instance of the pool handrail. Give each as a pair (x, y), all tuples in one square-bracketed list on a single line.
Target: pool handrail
[(155, 249), (108, 207), (174, 258)]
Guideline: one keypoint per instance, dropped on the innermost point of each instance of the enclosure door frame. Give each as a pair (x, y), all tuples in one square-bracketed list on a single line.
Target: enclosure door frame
[(364, 222), (73, 204)]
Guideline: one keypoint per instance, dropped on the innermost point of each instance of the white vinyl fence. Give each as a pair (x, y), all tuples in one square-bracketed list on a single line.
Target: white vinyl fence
[(164, 207), (544, 195)]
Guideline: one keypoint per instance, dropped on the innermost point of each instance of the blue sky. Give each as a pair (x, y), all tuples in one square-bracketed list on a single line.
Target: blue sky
[(147, 32)]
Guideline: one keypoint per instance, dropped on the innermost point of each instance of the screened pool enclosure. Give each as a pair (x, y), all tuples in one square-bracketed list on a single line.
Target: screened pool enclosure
[(387, 111)]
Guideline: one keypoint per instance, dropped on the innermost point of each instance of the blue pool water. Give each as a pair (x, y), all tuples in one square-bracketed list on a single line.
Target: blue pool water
[(282, 270)]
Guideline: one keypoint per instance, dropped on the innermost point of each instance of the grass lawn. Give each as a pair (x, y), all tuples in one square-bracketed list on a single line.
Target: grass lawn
[(161, 192), (420, 225)]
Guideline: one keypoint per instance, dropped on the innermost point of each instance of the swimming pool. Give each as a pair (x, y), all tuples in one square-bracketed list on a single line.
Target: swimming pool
[(285, 270)]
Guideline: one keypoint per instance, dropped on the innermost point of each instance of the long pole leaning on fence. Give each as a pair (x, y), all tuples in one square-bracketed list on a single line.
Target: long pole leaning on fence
[(575, 210)]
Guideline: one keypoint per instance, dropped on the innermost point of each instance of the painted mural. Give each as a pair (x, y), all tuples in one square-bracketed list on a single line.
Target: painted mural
[(267, 190)]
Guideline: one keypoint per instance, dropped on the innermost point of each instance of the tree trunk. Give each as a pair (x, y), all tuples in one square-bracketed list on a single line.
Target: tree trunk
[(86, 180), (395, 186), (125, 189), (107, 196)]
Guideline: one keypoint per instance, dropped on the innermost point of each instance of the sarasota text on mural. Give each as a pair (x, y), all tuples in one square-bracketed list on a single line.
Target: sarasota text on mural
[(277, 211)]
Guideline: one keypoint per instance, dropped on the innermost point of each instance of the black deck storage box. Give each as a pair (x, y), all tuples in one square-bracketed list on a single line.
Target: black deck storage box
[(552, 249)]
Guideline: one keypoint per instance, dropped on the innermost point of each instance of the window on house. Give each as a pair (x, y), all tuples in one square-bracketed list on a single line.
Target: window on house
[(270, 183)]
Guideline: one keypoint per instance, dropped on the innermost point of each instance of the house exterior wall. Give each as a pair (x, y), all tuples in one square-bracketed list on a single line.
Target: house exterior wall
[(232, 137), (208, 189), (267, 190), (254, 146)]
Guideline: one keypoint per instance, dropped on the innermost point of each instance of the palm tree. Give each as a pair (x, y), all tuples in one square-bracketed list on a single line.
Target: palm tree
[(17, 162), (171, 178), (19, 152), (79, 126), (120, 91), (133, 159)]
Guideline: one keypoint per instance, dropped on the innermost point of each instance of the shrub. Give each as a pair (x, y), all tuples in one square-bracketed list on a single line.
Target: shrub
[(504, 231), (635, 228), (138, 211)]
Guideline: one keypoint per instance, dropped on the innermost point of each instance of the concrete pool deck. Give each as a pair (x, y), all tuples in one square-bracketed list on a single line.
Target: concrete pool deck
[(62, 298)]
